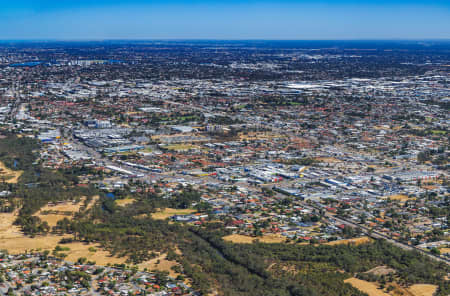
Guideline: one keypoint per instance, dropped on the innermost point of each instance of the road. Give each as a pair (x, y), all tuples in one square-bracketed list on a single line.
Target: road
[(373, 234), (377, 235)]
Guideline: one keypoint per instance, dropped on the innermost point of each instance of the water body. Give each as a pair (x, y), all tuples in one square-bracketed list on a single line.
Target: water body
[(26, 64)]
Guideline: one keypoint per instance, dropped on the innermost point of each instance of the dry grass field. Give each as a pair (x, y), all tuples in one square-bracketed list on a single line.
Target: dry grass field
[(168, 212), (124, 202), (52, 219), (381, 270), (63, 207), (400, 197), (181, 147), (422, 290), (244, 239), (95, 198), (248, 136), (356, 241), (163, 265), (101, 257), (367, 287), (12, 239), (372, 289), (9, 175), (444, 250), (53, 213), (21, 244), (429, 187), (328, 159)]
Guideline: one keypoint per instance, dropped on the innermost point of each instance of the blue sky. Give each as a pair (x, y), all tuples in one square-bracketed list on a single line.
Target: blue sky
[(201, 19)]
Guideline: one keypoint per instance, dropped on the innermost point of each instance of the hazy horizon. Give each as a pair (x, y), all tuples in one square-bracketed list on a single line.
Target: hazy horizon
[(216, 39)]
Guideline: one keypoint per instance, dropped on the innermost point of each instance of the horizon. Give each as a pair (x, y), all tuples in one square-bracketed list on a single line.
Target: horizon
[(228, 39)]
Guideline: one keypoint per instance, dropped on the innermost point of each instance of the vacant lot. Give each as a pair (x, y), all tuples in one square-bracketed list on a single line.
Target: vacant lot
[(356, 241), (8, 175), (245, 239), (367, 287), (169, 212)]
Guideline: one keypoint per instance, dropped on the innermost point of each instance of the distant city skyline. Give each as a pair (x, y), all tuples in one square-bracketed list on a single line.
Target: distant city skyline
[(201, 19)]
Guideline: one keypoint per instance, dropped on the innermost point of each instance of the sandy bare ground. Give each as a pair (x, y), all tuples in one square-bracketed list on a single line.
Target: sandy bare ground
[(356, 241), (169, 212), (367, 287), (10, 176), (422, 289), (245, 239)]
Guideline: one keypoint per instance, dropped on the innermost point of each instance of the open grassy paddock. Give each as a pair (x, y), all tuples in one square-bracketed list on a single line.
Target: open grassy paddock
[(8, 175)]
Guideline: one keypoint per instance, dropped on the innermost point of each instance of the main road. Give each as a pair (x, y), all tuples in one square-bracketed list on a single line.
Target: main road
[(373, 234), (376, 235)]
